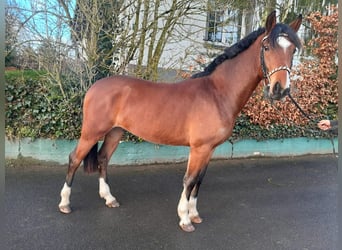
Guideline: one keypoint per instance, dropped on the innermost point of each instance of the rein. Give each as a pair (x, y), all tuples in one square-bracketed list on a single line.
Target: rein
[(309, 118), (314, 121), (300, 109)]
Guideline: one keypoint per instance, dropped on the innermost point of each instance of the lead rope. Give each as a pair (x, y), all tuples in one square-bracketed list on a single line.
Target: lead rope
[(309, 118), (300, 109)]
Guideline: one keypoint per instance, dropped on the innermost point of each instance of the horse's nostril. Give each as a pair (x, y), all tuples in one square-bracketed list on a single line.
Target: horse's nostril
[(277, 88), (286, 92)]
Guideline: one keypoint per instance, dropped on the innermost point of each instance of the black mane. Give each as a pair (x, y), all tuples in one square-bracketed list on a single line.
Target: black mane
[(243, 44), (231, 52)]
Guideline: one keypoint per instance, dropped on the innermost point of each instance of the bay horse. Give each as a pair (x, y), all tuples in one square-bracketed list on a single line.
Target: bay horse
[(198, 112)]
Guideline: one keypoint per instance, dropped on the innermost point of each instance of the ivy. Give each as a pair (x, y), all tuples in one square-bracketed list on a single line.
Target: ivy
[(36, 109)]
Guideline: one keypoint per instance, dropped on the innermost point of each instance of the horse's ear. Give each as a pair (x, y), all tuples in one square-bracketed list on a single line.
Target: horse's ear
[(295, 25), (271, 21)]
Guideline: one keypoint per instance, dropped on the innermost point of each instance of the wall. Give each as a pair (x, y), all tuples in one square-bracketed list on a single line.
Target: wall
[(146, 153)]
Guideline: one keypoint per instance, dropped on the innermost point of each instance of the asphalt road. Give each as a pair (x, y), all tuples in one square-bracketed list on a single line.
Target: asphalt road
[(264, 203)]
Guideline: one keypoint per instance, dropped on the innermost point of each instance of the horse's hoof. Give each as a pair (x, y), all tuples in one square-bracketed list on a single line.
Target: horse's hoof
[(196, 219), (188, 228), (65, 209), (114, 203)]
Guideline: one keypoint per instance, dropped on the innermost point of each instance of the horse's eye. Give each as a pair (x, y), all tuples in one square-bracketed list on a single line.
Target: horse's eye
[(295, 50), (266, 48)]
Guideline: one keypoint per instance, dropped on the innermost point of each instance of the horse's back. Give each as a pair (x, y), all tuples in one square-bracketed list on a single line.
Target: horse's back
[(136, 105)]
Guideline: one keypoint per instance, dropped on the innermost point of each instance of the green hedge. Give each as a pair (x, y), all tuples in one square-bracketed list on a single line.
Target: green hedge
[(244, 129), (36, 108)]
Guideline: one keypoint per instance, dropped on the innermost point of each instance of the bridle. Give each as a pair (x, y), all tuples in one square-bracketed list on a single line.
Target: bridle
[(266, 74)]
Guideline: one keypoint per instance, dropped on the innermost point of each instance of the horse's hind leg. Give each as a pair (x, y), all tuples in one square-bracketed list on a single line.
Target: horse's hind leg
[(197, 164), (109, 145), (82, 149)]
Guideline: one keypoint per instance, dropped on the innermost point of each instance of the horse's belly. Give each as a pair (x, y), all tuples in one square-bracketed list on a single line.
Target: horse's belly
[(155, 133), (179, 134)]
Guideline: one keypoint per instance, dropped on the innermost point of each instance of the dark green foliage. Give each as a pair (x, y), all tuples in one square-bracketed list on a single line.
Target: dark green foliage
[(35, 108), (245, 129)]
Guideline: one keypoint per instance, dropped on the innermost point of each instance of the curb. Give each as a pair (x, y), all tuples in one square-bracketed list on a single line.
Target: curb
[(129, 153)]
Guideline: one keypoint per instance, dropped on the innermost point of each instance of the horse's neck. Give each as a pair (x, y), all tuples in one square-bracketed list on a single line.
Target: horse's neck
[(237, 78)]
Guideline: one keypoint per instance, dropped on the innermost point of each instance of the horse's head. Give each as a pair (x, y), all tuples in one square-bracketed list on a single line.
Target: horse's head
[(278, 46)]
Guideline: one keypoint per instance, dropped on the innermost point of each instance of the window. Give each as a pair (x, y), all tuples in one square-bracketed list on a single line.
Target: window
[(222, 27), (215, 27)]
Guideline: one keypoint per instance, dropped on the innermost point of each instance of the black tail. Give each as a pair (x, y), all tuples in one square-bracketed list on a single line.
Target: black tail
[(90, 163)]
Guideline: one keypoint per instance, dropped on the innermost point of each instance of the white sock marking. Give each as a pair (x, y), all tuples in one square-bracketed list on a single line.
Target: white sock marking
[(104, 191), (183, 210), (193, 207), (65, 195)]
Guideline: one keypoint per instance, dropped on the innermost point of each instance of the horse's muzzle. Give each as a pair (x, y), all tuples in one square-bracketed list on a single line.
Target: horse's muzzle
[(278, 92)]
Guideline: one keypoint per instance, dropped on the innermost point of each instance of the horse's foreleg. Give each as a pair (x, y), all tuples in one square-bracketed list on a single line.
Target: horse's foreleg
[(75, 159), (109, 145), (193, 212), (187, 211)]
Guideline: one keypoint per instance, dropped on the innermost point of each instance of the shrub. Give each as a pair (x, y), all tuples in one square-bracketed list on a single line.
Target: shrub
[(35, 108)]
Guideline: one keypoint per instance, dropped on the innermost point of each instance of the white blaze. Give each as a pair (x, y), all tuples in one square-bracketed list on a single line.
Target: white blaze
[(287, 80), (283, 42)]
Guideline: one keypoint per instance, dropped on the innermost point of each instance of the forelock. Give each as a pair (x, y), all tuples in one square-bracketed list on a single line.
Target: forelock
[(283, 30)]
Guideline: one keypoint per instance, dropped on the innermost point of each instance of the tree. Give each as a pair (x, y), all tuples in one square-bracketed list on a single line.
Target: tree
[(12, 24), (110, 34), (96, 29)]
